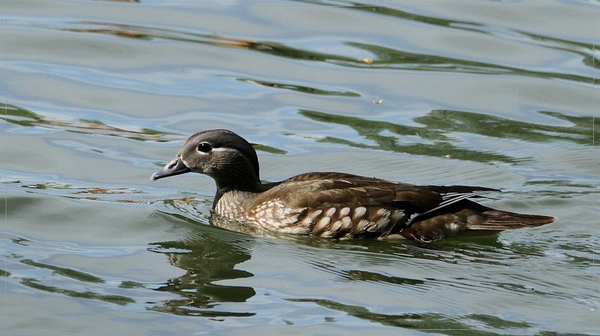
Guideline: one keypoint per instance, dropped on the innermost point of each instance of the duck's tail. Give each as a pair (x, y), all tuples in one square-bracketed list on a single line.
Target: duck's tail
[(467, 215), (494, 220)]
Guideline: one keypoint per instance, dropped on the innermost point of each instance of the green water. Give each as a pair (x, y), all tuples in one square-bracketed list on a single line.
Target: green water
[(97, 95)]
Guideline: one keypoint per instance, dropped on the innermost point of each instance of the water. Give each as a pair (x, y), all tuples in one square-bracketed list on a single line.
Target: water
[(97, 95)]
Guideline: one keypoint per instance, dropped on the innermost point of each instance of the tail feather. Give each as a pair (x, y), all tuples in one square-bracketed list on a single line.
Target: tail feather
[(504, 220), (467, 215)]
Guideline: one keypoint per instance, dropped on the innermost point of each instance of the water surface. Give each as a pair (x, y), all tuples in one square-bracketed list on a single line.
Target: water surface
[(97, 95)]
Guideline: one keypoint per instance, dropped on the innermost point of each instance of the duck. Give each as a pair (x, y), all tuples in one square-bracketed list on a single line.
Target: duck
[(333, 204)]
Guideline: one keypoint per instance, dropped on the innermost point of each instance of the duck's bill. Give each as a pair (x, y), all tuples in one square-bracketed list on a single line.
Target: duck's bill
[(175, 167)]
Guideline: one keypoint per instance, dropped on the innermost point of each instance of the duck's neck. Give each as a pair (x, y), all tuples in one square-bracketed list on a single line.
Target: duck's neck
[(239, 175), (238, 181)]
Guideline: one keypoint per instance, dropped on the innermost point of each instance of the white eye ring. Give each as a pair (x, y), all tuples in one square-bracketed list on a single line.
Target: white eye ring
[(204, 147)]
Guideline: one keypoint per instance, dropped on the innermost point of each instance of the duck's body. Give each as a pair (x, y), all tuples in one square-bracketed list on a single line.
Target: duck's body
[(334, 205)]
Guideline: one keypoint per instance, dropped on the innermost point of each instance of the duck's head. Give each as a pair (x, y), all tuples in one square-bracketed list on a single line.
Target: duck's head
[(221, 154)]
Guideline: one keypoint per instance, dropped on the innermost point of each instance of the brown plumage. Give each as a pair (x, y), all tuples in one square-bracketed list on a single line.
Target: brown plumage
[(334, 205)]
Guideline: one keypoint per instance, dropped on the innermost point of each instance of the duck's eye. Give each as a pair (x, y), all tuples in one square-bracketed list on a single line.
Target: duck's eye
[(204, 147)]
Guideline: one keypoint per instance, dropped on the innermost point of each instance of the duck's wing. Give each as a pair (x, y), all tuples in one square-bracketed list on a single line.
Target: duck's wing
[(339, 189), (344, 205), (452, 195), (336, 205)]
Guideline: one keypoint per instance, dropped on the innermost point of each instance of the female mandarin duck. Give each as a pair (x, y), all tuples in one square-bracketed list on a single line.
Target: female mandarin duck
[(334, 205)]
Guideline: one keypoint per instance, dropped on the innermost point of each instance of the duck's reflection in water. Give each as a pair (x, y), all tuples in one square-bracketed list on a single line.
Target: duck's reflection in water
[(206, 259)]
